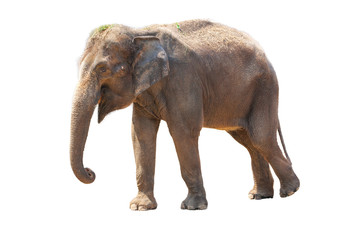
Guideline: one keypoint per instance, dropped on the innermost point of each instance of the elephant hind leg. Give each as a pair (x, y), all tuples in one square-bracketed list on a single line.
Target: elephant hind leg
[(262, 127), (282, 167), (263, 180), (263, 136)]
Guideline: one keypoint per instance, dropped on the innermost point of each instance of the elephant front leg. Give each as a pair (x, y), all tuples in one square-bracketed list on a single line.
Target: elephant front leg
[(144, 130), (186, 144)]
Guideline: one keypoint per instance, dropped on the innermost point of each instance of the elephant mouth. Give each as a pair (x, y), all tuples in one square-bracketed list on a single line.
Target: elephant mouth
[(103, 109), (109, 102), (104, 104)]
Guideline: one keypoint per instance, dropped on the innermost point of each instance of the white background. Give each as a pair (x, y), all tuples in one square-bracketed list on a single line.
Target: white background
[(314, 47)]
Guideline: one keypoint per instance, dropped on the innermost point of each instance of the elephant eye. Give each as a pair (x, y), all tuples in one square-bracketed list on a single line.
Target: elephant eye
[(102, 69)]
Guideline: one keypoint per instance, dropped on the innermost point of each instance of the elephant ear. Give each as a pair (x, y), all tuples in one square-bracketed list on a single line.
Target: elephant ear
[(151, 63)]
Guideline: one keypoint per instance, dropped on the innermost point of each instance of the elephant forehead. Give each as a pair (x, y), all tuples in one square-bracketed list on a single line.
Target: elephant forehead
[(118, 47)]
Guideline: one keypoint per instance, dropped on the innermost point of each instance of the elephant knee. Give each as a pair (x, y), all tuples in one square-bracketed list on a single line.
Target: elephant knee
[(185, 133)]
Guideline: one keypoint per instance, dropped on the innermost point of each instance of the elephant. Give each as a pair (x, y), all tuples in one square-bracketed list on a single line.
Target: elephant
[(191, 74)]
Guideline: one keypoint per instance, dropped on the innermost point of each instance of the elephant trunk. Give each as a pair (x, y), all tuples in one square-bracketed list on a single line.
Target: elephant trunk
[(85, 100)]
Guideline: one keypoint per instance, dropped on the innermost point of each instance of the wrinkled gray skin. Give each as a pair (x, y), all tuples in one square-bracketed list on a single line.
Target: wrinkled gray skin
[(198, 74)]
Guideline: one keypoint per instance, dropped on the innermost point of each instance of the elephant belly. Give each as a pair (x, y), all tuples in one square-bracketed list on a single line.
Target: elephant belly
[(229, 108)]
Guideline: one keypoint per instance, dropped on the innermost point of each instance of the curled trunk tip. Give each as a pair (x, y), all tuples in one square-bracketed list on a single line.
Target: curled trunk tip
[(88, 176)]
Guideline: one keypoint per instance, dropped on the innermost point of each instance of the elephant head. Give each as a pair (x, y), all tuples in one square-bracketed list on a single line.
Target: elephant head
[(117, 65)]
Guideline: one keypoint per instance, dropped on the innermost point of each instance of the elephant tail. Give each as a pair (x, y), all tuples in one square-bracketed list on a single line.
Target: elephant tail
[(282, 142)]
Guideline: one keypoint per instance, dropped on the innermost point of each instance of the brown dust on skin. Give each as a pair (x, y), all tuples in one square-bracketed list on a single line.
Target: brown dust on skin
[(191, 74)]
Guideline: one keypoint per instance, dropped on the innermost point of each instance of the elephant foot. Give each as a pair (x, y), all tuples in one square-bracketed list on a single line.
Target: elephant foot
[(259, 194), (143, 202), (194, 202), (289, 188)]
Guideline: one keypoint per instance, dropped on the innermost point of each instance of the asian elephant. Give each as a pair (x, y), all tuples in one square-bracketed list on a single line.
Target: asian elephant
[(191, 74)]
